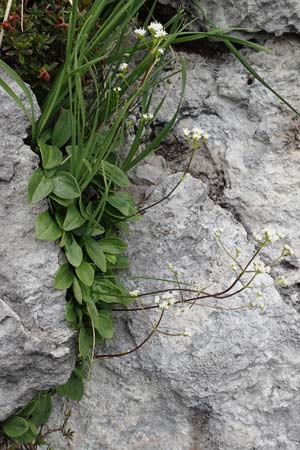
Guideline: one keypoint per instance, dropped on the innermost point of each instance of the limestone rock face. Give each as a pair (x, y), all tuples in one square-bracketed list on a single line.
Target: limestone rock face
[(36, 345), (232, 385), (251, 162), (273, 16)]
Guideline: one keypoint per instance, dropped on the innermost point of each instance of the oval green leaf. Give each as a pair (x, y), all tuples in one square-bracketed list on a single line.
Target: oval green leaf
[(95, 252), (64, 277), (39, 186), (15, 426), (115, 174), (112, 245), (62, 129), (85, 273), (65, 186), (73, 251), (73, 219), (73, 389), (77, 291), (51, 155), (46, 228), (105, 326)]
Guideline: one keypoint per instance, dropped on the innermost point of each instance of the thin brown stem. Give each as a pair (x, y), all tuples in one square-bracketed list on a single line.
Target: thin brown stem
[(128, 352)]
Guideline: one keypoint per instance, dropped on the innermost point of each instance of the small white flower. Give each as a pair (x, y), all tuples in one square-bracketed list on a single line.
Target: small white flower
[(160, 34), (252, 305), (260, 267), (185, 333), (287, 251), (157, 299), (186, 133), (172, 301), (280, 281), (117, 89), (123, 67), (164, 305), (197, 134), (147, 116), (134, 293), (161, 51), (170, 266), (259, 294), (271, 235), (140, 32), (166, 296), (261, 306)]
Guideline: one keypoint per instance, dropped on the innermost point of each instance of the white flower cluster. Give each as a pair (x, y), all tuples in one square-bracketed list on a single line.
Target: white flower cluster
[(257, 305), (267, 236), (147, 116), (280, 281), (260, 267), (195, 135), (123, 68), (155, 28), (134, 293), (287, 251), (165, 301)]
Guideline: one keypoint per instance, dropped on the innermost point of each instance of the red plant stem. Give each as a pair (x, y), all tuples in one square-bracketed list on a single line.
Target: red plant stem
[(128, 352)]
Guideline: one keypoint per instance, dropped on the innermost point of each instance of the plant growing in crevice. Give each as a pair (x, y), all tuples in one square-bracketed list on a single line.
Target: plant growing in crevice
[(109, 75)]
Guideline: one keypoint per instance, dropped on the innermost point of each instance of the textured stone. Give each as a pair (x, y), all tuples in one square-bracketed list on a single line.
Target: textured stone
[(272, 16), (252, 160), (233, 385), (35, 342)]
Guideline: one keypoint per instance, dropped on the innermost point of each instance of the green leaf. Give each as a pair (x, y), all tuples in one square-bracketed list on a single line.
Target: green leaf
[(95, 252), (105, 326), (51, 156), (29, 408), (70, 312), (115, 174), (62, 201), (15, 426), (97, 230), (39, 186), (30, 434), (73, 389), (85, 342), (93, 312), (73, 219), (63, 277), (85, 273), (77, 290), (46, 228), (108, 292), (73, 251), (43, 410), (121, 201), (62, 129), (113, 245), (65, 186)]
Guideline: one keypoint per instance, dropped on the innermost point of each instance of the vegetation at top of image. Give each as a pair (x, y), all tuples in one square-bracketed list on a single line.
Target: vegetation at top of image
[(105, 66)]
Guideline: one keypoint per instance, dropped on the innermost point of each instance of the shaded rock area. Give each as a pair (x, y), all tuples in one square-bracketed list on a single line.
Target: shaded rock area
[(36, 345), (273, 16), (232, 385)]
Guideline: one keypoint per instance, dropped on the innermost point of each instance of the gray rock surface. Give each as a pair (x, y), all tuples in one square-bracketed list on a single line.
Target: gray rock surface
[(35, 342), (273, 16), (251, 162), (232, 385)]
